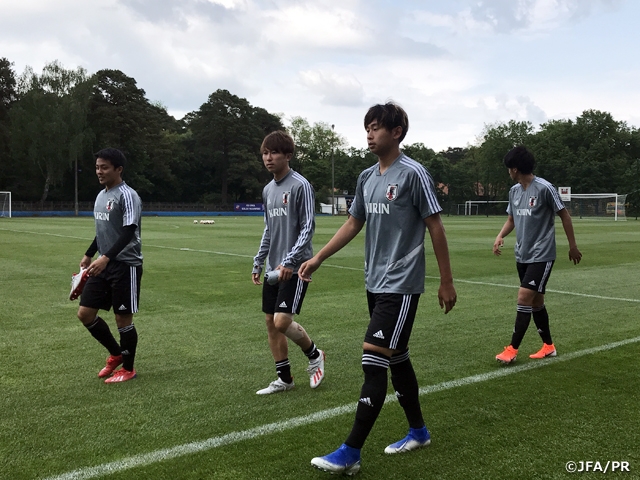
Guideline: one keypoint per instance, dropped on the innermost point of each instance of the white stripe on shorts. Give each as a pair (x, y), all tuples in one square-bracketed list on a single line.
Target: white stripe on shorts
[(402, 318), (134, 289)]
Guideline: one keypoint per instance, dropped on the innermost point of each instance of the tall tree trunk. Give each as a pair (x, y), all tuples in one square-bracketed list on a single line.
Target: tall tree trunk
[(45, 192)]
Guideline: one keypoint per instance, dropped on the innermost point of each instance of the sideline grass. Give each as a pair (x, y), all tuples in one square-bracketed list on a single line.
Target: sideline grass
[(203, 354)]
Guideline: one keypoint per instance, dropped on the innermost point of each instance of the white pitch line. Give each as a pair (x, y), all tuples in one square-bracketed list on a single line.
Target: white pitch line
[(236, 437), (472, 282)]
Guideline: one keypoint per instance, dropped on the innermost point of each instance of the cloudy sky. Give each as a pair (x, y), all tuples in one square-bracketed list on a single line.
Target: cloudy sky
[(454, 65)]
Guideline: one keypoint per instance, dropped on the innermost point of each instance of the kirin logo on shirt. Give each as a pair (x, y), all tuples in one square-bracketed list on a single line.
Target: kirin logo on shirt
[(285, 198), (392, 192), (110, 203), (533, 201)]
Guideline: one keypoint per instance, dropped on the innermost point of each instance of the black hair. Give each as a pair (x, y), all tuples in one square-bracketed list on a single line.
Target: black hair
[(389, 116), (521, 158), (115, 156)]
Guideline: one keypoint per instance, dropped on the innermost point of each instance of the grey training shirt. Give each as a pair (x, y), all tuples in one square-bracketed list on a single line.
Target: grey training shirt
[(114, 209), (289, 223), (533, 211), (394, 205)]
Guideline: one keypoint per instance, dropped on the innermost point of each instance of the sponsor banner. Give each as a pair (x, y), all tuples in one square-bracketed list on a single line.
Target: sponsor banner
[(248, 207), (565, 193)]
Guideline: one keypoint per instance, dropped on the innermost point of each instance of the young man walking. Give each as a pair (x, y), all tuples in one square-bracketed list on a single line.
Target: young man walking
[(396, 198), (114, 277), (289, 220), (533, 205)]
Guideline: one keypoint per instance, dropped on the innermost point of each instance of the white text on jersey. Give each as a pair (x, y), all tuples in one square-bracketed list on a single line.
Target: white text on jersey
[(377, 208), (101, 216), (523, 211), (277, 212)]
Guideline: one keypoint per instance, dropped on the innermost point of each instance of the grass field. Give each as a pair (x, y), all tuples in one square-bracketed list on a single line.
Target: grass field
[(192, 413)]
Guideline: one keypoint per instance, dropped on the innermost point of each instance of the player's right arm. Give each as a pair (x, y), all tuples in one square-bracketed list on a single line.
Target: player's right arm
[(263, 251), (507, 228), (343, 236)]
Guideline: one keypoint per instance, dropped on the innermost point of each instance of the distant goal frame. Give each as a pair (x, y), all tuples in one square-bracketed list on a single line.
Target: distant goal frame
[(4, 203), (620, 203), (469, 204)]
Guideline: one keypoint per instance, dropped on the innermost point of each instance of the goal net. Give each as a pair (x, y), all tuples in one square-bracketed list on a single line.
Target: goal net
[(597, 205), (5, 204)]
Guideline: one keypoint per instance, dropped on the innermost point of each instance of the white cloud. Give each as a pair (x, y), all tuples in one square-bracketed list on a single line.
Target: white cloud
[(454, 66), (335, 89)]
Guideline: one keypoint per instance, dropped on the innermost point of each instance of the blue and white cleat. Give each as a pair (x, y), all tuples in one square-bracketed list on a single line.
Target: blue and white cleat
[(417, 438), (344, 460)]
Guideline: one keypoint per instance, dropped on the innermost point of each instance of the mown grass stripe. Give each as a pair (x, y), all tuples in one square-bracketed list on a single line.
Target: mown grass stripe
[(236, 437)]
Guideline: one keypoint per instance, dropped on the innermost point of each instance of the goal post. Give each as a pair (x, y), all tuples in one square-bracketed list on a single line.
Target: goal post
[(597, 205), (5, 204), (486, 207)]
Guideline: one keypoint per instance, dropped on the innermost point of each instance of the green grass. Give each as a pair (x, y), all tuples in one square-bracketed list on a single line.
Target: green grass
[(203, 353)]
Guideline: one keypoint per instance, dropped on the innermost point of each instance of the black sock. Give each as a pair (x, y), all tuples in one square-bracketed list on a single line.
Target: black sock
[(523, 317), (128, 342), (374, 390), (405, 383), (312, 352), (283, 369), (101, 332), (541, 319)]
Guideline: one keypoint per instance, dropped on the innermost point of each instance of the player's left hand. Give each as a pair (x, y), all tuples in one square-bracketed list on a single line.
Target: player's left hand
[(98, 266), (574, 255), (285, 273), (447, 296)]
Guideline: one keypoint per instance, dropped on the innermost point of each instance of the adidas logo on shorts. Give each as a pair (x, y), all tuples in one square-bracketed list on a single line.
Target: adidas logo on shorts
[(366, 401), (283, 305), (379, 335), (532, 283), (122, 307)]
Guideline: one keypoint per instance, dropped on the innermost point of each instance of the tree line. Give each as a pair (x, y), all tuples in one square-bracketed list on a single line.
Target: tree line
[(52, 122)]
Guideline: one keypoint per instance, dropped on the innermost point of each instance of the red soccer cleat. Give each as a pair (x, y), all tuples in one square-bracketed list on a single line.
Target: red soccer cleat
[(121, 375), (112, 364)]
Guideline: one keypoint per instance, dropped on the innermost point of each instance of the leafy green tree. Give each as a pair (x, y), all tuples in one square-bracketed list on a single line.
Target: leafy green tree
[(49, 121), (122, 117), (497, 140), (8, 96), (316, 145), (225, 135)]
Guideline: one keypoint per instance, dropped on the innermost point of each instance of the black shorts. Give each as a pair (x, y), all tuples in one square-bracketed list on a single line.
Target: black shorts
[(118, 285), (392, 316), (534, 276), (286, 297)]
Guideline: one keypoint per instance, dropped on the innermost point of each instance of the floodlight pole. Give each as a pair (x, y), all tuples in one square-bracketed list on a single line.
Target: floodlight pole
[(75, 202), (333, 177)]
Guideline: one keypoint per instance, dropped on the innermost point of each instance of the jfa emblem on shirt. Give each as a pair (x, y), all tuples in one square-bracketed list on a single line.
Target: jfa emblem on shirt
[(392, 192), (285, 198), (110, 203), (533, 201)]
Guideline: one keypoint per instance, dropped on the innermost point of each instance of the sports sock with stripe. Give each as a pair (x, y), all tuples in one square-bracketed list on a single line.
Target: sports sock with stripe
[(312, 352), (372, 394), (405, 383), (283, 369), (128, 342), (102, 333), (541, 319), (523, 318)]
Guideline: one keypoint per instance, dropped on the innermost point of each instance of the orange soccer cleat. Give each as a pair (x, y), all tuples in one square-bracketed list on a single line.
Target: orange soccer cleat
[(545, 351), (508, 355)]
